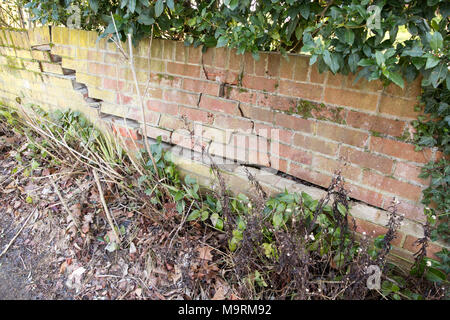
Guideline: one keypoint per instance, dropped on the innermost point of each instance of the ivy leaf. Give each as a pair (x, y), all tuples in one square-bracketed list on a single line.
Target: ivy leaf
[(418, 62), (94, 5), (170, 4), (304, 11), (331, 61), (353, 60), (159, 7), (366, 62), (432, 61), (379, 57), (438, 74), (146, 20), (414, 52), (435, 40), (195, 214), (131, 5), (395, 78), (349, 36), (222, 42)]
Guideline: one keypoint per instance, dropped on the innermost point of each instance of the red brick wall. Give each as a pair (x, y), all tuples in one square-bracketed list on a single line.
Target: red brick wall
[(255, 111)]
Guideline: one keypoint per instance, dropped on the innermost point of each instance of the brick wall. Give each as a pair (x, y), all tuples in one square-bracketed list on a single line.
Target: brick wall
[(274, 112)]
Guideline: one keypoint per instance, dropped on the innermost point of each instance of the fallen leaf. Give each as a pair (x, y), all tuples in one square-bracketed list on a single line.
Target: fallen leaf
[(205, 253)]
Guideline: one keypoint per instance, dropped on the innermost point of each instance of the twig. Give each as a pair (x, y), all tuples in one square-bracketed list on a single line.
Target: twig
[(141, 102), (18, 233), (108, 215), (75, 221)]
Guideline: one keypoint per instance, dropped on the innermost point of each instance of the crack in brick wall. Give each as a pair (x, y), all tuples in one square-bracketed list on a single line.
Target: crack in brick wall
[(273, 112)]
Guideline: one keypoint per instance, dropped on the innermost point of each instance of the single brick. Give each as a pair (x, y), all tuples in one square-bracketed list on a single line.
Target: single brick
[(301, 90), (309, 175), (368, 196), (411, 90), (357, 100), (154, 132), (375, 123), (168, 50), (162, 107), (259, 83), (301, 67), (275, 102), (335, 80), (240, 124), (399, 150), (52, 68), (221, 57), (235, 61), (240, 94), (273, 65), (315, 76), (186, 98), (372, 230), (315, 144), (398, 106), (261, 64), (366, 159), (151, 118), (411, 245), (221, 75), (172, 123), (287, 67), (127, 132), (342, 134), (274, 134), (409, 172), (332, 166), (295, 123), (256, 113), (183, 69), (211, 88), (195, 115), (219, 105), (402, 189), (291, 153), (211, 133), (412, 211)]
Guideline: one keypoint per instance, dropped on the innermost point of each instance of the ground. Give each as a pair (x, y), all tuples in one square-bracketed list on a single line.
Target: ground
[(60, 253)]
